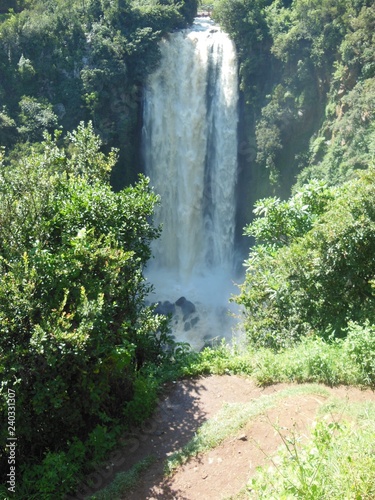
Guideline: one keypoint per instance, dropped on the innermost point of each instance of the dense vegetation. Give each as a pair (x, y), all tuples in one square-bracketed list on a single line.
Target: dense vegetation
[(64, 61), (78, 344), (312, 270), (75, 331), (307, 74), (76, 335)]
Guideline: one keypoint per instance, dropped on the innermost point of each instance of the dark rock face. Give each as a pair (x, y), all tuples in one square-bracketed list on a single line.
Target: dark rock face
[(194, 321), (191, 324), (165, 308), (187, 307)]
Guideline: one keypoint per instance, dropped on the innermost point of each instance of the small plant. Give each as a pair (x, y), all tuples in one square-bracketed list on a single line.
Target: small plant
[(124, 481), (337, 463), (57, 473), (360, 348)]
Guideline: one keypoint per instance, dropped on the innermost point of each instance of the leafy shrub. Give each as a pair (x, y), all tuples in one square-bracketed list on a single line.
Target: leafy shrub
[(75, 331), (360, 347), (312, 273), (143, 401), (57, 472)]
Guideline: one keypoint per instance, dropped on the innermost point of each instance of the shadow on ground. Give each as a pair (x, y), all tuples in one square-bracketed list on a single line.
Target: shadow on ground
[(178, 416)]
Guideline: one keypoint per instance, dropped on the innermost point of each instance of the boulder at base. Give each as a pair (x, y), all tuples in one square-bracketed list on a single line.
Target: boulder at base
[(165, 308), (187, 307)]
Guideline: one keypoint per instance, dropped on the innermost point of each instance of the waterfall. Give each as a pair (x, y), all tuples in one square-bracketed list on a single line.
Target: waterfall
[(190, 151)]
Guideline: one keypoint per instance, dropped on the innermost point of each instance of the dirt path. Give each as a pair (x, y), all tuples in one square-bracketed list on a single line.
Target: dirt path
[(224, 470)]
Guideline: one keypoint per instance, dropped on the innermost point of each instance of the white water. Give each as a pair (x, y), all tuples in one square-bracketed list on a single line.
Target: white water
[(190, 149)]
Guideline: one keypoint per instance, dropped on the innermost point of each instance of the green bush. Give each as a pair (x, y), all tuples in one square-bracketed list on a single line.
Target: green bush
[(360, 347), (57, 472), (74, 329), (313, 269)]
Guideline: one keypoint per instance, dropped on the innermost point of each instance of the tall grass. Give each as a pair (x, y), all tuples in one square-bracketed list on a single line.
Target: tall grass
[(338, 463), (350, 361)]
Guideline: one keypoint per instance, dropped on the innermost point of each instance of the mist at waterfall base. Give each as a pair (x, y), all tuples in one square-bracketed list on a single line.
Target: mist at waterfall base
[(190, 120)]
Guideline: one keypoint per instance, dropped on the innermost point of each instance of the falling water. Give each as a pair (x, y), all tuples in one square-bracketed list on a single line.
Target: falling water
[(190, 150)]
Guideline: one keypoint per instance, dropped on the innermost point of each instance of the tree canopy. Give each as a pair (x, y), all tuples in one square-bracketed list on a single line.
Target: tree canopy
[(74, 327), (65, 61), (307, 73), (312, 268)]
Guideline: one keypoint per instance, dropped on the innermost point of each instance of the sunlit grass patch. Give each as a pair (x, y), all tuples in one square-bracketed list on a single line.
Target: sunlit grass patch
[(313, 360), (337, 463)]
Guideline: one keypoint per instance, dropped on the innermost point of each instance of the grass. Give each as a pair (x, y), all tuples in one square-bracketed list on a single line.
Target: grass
[(124, 481), (311, 361), (231, 418), (338, 463)]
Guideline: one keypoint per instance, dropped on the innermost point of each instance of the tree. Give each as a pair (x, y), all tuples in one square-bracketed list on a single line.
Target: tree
[(74, 328), (312, 270)]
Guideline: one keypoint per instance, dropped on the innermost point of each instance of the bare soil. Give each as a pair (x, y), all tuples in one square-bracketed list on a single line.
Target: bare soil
[(226, 469)]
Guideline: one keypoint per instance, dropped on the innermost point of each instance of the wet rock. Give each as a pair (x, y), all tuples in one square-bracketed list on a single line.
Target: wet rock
[(194, 321), (187, 307), (187, 326), (165, 308)]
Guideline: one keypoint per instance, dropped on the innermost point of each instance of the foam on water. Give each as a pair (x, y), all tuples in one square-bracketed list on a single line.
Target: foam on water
[(190, 150)]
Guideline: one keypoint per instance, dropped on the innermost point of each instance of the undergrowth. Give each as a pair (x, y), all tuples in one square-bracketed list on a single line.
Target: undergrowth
[(337, 463), (349, 361), (124, 481)]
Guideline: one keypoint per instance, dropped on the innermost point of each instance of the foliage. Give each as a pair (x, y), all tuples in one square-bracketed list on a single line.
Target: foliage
[(306, 70), (300, 283), (57, 472), (63, 61), (124, 481), (35, 118), (351, 143), (360, 347), (245, 21), (311, 360), (77, 342), (278, 222), (75, 332), (337, 463), (346, 361)]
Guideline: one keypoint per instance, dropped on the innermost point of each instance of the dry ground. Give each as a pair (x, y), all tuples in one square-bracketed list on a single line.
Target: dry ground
[(226, 469)]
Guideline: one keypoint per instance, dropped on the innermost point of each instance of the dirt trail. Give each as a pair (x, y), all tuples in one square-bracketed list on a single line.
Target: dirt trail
[(226, 469)]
